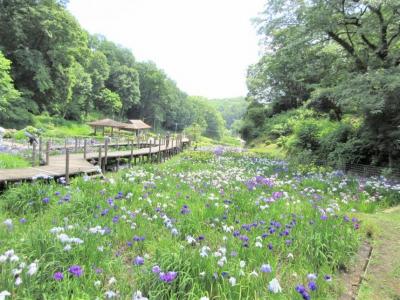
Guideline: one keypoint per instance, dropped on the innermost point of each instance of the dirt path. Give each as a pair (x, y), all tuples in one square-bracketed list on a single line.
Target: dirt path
[(381, 279)]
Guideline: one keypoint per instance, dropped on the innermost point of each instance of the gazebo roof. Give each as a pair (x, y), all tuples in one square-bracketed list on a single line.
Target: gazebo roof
[(138, 124), (132, 125), (107, 123)]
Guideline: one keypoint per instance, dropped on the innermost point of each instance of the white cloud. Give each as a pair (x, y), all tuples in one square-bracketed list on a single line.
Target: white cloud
[(204, 45)]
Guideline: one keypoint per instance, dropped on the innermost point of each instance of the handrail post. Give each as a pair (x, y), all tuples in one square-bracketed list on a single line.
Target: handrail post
[(33, 154), (40, 149), (84, 149), (149, 158), (105, 150), (67, 166), (159, 148), (99, 164), (47, 153), (131, 152)]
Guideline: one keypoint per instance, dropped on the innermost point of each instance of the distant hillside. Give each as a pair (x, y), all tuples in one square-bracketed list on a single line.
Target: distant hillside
[(232, 109)]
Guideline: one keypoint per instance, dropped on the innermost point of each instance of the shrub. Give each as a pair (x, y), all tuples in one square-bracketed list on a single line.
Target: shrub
[(307, 135)]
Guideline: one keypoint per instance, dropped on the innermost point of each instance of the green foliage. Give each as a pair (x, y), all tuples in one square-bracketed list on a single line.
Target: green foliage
[(231, 109), (58, 68), (337, 59), (207, 117), (60, 128), (109, 101), (9, 161), (13, 112), (307, 136)]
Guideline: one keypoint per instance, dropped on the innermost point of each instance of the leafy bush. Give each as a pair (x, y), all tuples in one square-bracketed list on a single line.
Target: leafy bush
[(307, 135)]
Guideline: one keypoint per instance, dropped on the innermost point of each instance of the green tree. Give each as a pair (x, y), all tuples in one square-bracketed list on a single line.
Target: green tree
[(338, 57), (12, 111), (110, 101)]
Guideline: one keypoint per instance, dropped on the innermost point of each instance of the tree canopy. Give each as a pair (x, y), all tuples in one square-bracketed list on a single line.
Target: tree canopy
[(337, 57), (60, 69)]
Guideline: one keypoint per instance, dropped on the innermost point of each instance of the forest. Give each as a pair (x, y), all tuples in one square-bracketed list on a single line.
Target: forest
[(327, 87), (49, 65)]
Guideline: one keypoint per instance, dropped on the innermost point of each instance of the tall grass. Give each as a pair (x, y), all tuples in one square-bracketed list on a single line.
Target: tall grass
[(10, 161)]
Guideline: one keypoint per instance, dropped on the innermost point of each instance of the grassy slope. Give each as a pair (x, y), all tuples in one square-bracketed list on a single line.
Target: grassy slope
[(8, 161), (383, 273)]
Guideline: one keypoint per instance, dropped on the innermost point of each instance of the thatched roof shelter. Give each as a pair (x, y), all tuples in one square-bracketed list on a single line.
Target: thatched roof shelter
[(138, 125), (134, 125), (107, 123)]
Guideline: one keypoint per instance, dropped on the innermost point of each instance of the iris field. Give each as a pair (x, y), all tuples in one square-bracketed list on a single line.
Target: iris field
[(203, 225)]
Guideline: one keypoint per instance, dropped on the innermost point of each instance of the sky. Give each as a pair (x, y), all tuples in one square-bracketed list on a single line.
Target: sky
[(205, 46)]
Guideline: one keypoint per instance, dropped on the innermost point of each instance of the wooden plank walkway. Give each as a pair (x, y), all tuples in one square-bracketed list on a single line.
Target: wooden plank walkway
[(77, 164)]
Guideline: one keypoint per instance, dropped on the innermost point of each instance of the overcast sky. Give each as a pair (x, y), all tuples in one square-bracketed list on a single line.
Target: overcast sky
[(203, 45)]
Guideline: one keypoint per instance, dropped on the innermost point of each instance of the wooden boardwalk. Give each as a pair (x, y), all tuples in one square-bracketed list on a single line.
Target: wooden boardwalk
[(79, 165)]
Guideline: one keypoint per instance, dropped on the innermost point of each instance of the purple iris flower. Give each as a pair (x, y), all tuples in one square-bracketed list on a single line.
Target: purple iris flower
[(76, 270), (300, 288), (46, 200), (168, 277), (219, 151), (58, 276), (303, 292), (266, 268), (185, 210), (244, 238), (138, 260), (312, 286), (156, 269)]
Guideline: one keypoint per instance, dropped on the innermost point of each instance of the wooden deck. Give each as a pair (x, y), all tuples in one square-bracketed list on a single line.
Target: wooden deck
[(78, 165)]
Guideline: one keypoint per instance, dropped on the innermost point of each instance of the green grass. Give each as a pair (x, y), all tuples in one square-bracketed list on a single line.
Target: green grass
[(55, 128), (225, 141), (200, 215), (383, 272), (272, 150), (9, 161)]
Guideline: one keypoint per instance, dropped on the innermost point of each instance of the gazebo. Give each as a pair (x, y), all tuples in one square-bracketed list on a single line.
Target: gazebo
[(106, 123), (138, 126), (133, 125)]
